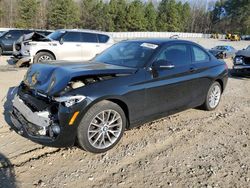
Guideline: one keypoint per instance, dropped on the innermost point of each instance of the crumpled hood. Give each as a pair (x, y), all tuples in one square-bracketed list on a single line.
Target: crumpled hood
[(245, 53), (34, 36), (51, 78)]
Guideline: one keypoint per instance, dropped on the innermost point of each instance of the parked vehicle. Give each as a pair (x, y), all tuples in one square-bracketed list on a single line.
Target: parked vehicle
[(242, 62), (235, 37), (245, 37), (8, 38), (228, 36), (223, 52), (2, 30), (64, 45), (130, 83)]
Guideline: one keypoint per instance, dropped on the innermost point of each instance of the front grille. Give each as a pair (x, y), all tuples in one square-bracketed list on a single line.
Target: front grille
[(246, 60), (35, 103), (32, 129)]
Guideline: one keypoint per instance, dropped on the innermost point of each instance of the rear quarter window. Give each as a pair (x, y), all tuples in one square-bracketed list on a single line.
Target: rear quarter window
[(103, 38), (199, 55)]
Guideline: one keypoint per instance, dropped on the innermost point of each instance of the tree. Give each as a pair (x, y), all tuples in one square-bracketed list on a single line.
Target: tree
[(63, 14), (117, 13), (136, 20), (185, 11), (27, 12), (168, 17), (150, 16)]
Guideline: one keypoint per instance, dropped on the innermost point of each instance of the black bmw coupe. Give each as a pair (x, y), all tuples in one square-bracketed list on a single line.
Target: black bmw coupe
[(133, 82)]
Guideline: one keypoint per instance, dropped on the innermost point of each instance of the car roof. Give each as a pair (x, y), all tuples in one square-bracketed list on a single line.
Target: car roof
[(83, 30), (161, 41)]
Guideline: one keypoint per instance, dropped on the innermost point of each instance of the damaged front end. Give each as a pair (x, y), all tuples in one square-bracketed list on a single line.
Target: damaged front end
[(52, 99), (44, 119), (21, 55)]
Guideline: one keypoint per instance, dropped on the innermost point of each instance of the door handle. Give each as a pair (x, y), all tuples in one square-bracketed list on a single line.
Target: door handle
[(78, 45), (193, 69), (97, 45)]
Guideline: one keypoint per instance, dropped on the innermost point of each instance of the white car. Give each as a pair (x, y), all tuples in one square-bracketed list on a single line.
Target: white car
[(65, 45)]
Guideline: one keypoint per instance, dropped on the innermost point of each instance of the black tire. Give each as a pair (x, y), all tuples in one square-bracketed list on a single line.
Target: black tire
[(207, 105), (85, 124), (38, 56)]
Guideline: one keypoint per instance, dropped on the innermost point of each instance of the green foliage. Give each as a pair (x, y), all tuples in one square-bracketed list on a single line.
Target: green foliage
[(236, 17), (169, 16), (136, 20), (63, 14), (151, 16), (27, 11)]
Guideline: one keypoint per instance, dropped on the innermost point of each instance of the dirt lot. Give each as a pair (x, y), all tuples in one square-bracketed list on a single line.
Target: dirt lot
[(191, 149)]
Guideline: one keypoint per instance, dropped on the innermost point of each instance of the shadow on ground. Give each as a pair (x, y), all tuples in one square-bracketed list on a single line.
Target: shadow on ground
[(7, 173), (238, 75), (8, 105)]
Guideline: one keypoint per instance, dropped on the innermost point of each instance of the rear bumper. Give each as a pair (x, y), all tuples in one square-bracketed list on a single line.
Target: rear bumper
[(42, 133)]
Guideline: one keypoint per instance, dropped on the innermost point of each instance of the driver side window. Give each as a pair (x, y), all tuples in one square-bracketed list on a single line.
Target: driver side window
[(177, 55)]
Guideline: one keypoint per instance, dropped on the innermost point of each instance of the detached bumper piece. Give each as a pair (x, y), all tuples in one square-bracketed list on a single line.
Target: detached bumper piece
[(40, 126)]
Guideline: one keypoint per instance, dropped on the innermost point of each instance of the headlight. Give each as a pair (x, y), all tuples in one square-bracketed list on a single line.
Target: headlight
[(70, 100), (238, 60)]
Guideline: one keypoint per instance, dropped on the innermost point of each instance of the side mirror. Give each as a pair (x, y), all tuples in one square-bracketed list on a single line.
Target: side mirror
[(162, 64), (61, 41)]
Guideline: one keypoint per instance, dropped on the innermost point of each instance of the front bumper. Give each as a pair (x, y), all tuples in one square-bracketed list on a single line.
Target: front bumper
[(38, 128), (19, 59), (241, 70), (240, 67)]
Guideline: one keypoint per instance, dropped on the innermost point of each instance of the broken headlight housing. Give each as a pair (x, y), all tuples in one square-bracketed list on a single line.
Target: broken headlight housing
[(69, 101)]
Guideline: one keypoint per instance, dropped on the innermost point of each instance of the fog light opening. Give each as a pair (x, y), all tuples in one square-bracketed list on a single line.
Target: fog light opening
[(55, 129)]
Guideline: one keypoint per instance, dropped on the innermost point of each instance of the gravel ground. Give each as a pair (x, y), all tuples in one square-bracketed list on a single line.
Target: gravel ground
[(194, 148)]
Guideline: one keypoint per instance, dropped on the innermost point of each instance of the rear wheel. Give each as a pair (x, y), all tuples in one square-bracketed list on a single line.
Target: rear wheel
[(213, 97), (101, 127), (42, 57)]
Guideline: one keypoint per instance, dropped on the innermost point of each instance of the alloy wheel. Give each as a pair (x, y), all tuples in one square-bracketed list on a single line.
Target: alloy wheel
[(105, 129), (214, 97)]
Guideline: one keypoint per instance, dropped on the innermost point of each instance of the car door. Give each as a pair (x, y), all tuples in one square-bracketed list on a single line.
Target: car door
[(9, 39), (70, 47), (202, 65), (169, 89), (91, 46)]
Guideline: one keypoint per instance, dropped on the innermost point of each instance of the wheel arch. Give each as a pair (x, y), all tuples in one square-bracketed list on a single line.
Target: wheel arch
[(124, 107), (119, 102), (221, 84), (48, 51)]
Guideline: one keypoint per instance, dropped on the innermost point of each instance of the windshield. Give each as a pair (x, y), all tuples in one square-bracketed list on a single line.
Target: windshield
[(56, 35), (3, 33), (128, 54)]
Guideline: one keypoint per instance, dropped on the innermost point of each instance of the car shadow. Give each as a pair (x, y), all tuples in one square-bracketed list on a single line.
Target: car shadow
[(239, 76), (7, 173), (8, 105)]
